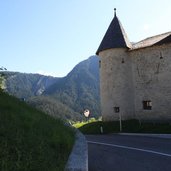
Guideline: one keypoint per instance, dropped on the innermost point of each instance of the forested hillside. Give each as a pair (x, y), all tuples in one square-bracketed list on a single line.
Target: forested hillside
[(80, 88), (24, 85), (65, 97)]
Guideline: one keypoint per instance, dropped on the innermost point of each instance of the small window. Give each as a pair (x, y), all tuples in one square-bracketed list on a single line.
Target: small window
[(161, 56), (116, 109), (123, 61), (147, 105), (99, 63)]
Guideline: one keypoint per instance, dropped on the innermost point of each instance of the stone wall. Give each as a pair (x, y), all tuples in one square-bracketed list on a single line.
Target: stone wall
[(152, 81), (129, 77), (116, 86)]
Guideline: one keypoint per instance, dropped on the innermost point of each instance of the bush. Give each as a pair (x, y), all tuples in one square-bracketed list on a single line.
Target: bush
[(128, 126)]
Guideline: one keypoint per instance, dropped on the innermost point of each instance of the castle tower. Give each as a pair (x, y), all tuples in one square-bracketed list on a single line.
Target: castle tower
[(116, 87)]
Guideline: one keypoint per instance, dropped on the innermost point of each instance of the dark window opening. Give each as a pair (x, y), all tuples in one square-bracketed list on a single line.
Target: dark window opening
[(99, 63), (116, 109), (161, 56), (147, 105)]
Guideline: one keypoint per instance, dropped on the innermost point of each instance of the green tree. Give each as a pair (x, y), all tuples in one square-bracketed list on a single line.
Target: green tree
[(2, 78), (2, 81)]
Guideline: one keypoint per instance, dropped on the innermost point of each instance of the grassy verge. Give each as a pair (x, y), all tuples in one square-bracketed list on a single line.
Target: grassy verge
[(31, 140), (130, 126), (89, 121)]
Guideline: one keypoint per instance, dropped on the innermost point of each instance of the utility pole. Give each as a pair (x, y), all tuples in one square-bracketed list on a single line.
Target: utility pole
[(120, 121)]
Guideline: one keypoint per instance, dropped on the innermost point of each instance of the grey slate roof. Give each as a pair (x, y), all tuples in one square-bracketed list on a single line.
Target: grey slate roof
[(152, 41), (115, 37)]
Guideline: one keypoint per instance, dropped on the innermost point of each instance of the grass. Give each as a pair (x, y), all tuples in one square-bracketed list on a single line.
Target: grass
[(82, 123), (129, 126), (31, 140)]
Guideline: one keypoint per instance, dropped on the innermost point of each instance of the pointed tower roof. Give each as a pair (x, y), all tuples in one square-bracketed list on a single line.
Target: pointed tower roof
[(115, 36)]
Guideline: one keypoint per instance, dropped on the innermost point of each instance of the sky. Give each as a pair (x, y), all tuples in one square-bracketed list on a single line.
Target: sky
[(51, 36)]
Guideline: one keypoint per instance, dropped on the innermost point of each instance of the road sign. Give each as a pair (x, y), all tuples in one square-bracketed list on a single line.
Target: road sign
[(86, 113)]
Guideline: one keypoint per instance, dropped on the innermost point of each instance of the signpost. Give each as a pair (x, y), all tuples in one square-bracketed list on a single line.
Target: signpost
[(120, 122), (117, 110)]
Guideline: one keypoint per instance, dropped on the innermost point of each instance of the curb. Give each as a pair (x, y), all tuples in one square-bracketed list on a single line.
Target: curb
[(166, 136), (78, 159)]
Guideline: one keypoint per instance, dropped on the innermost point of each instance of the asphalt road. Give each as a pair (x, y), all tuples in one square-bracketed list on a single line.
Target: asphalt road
[(128, 153)]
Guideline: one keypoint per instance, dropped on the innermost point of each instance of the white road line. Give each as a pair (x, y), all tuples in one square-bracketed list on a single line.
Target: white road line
[(130, 148)]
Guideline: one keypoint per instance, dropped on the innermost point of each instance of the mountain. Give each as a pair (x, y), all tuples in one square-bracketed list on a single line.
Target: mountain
[(80, 88), (24, 85), (65, 97)]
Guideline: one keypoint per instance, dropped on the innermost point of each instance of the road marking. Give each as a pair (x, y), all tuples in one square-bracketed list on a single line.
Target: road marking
[(130, 148)]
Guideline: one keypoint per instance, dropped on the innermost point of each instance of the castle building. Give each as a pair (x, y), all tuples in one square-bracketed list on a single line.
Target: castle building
[(135, 78)]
